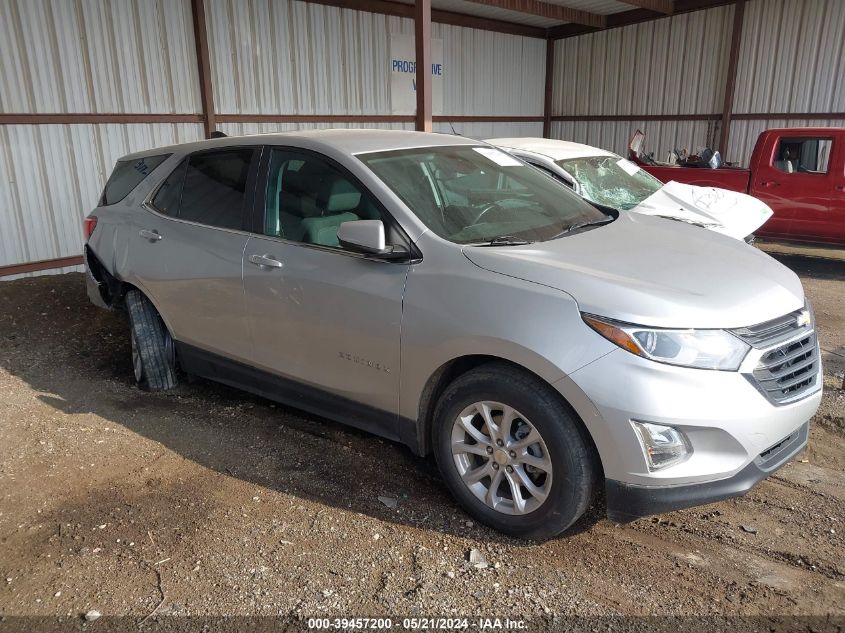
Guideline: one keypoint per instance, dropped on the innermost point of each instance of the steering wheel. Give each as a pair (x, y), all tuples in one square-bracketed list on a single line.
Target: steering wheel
[(484, 210)]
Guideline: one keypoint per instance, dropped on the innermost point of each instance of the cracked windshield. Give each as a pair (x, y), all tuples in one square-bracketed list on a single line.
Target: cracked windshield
[(611, 181)]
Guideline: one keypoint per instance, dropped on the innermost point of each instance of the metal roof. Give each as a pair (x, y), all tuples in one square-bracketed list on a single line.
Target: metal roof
[(600, 7)]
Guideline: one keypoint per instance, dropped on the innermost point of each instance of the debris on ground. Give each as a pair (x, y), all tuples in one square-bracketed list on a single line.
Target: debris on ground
[(477, 559), (92, 615)]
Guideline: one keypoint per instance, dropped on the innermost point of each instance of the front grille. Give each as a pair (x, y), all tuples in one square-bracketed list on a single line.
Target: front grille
[(789, 369), (771, 332)]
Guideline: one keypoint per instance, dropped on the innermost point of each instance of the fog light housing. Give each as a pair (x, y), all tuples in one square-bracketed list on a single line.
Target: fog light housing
[(663, 446)]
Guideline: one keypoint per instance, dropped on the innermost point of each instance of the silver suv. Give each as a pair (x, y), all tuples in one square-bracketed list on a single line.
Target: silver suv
[(439, 292)]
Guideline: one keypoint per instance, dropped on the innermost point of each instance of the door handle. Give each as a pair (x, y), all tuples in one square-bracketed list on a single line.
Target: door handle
[(152, 236), (770, 183), (840, 187), (265, 261)]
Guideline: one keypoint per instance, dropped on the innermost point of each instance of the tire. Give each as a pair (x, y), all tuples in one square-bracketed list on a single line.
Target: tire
[(564, 490), (153, 352)]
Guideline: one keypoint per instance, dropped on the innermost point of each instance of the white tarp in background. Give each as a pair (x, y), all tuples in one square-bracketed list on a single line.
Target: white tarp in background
[(402, 66)]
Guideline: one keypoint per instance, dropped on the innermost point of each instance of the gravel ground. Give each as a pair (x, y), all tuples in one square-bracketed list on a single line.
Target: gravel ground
[(206, 501)]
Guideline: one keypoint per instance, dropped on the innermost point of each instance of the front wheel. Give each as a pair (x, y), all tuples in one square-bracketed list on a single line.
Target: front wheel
[(512, 453)]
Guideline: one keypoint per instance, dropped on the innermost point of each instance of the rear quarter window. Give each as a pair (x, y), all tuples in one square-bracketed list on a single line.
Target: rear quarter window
[(127, 175), (169, 194)]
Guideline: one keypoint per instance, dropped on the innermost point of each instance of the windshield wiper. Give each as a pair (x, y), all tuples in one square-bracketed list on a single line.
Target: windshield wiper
[(507, 240), (582, 225)]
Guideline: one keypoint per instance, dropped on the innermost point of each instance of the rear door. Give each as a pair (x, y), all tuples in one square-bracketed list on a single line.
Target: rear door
[(320, 315), (188, 248), (795, 178)]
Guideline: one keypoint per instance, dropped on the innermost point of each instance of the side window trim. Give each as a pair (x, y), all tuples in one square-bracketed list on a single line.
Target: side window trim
[(154, 193), (260, 203)]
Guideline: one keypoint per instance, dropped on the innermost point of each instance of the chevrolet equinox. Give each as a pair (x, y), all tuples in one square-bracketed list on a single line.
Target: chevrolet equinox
[(441, 293)]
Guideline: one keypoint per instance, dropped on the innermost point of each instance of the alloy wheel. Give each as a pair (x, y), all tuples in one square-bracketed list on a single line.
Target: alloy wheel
[(501, 457)]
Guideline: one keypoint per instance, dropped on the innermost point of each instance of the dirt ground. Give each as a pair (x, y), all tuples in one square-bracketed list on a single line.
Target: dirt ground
[(207, 501)]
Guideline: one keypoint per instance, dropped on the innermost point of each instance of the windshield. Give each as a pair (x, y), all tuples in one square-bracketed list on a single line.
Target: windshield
[(611, 181), (471, 194)]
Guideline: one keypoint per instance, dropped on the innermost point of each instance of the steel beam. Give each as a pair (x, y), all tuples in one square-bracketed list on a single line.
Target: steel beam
[(730, 79), (422, 44)]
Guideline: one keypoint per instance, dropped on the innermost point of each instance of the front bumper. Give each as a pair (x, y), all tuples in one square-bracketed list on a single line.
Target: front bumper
[(737, 435), (627, 502)]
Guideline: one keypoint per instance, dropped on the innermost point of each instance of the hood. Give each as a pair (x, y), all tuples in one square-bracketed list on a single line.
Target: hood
[(654, 272), (728, 212)]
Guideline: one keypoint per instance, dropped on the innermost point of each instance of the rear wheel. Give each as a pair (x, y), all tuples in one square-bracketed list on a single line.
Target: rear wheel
[(512, 453), (153, 352)]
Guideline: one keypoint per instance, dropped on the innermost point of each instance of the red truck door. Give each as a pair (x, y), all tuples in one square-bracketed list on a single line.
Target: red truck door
[(799, 174)]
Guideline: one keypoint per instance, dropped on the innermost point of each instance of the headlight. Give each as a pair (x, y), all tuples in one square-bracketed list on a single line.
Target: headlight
[(703, 349)]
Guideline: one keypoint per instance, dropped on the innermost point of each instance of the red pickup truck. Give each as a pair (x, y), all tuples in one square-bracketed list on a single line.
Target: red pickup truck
[(798, 172)]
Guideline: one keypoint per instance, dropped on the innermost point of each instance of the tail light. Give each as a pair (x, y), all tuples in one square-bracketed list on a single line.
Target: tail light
[(89, 226)]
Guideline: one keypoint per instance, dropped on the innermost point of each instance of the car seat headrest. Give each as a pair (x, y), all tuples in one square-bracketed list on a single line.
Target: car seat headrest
[(342, 196)]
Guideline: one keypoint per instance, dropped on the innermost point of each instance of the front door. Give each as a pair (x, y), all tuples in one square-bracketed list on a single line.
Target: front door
[(796, 180), (325, 318)]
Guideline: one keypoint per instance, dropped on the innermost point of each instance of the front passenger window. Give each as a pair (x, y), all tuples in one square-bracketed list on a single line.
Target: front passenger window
[(307, 199)]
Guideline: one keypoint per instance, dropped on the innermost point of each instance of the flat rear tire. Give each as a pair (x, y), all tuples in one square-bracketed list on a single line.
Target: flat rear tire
[(153, 351)]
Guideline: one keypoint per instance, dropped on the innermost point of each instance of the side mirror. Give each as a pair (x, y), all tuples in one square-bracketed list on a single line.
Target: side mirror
[(367, 237)]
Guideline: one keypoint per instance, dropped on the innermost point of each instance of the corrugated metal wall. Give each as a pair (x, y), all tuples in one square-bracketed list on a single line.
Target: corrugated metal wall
[(298, 58), (670, 66), (791, 60), (266, 59), (492, 73), (792, 57), (97, 56)]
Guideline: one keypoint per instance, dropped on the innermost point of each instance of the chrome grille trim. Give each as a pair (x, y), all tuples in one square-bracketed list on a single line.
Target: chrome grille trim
[(789, 365), (774, 331)]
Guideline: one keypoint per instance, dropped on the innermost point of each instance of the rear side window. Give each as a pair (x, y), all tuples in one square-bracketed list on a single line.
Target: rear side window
[(215, 187), (169, 194), (127, 175)]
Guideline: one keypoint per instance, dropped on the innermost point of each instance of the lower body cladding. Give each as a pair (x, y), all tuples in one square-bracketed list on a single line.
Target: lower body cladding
[(719, 435)]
